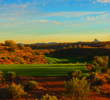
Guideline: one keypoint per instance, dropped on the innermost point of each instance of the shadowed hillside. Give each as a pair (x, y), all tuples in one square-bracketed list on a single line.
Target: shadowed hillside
[(85, 53)]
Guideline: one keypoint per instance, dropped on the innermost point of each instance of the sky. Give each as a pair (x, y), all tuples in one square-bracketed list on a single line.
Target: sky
[(32, 21)]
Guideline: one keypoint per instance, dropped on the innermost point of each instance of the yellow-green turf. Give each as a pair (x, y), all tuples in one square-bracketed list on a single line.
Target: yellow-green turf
[(43, 69)]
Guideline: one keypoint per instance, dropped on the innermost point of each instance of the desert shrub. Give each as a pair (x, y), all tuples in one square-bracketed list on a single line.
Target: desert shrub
[(4, 57), (76, 87), (96, 89), (1, 73), (104, 70), (95, 69), (101, 61), (48, 97), (8, 57), (109, 80), (77, 63), (100, 81), (10, 76), (27, 49), (18, 59), (26, 57), (93, 75), (21, 46), (11, 53), (108, 72), (11, 44), (107, 77), (1, 76), (74, 73), (13, 91), (31, 85)]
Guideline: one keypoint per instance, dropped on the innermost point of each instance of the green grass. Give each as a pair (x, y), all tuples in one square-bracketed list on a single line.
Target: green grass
[(56, 60), (43, 69), (65, 60)]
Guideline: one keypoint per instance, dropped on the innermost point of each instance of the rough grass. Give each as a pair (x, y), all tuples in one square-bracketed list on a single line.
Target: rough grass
[(43, 69), (65, 60)]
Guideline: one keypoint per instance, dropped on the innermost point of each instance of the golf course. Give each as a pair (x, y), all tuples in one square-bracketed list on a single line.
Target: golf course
[(43, 69)]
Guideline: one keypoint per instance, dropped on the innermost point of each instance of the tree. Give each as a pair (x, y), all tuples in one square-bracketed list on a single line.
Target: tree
[(79, 46), (11, 44), (70, 46), (28, 49), (75, 46), (64, 48), (107, 46), (21, 46)]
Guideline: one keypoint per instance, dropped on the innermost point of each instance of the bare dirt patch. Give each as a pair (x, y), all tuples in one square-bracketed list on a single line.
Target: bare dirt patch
[(53, 86)]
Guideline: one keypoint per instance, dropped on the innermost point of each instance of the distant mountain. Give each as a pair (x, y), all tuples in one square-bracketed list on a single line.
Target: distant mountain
[(19, 43), (52, 43), (79, 41), (39, 43), (96, 40), (47, 43)]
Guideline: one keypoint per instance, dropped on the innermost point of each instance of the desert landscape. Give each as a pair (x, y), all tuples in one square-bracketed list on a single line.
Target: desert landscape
[(54, 49), (54, 73)]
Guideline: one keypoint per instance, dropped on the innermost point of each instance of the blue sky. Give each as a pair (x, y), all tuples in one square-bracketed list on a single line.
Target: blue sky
[(31, 21)]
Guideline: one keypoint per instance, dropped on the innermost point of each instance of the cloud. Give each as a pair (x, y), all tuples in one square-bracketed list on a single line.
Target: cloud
[(28, 10), (104, 1), (72, 14), (35, 21), (15, 6), (25, 5), (42, 21), (91, 18), (57, 23)]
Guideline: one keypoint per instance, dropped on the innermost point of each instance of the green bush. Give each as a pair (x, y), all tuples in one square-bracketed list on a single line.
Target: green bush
[(11, 44), (5, 58), (26, 57), (96, 89), (101, 61), (104, 70), (93, 75), (31, 85), (108, 72), (13, 92), (21, 46), (95, 69), (76, 88), (18, 59), (74, 73), (107, 77), (109, 80), (1, 76), (10, 76), (1, 73), (48, 97), (100, 81)]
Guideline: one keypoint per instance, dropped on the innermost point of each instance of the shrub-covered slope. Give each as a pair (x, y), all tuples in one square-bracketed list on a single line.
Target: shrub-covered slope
[(10, 53)]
